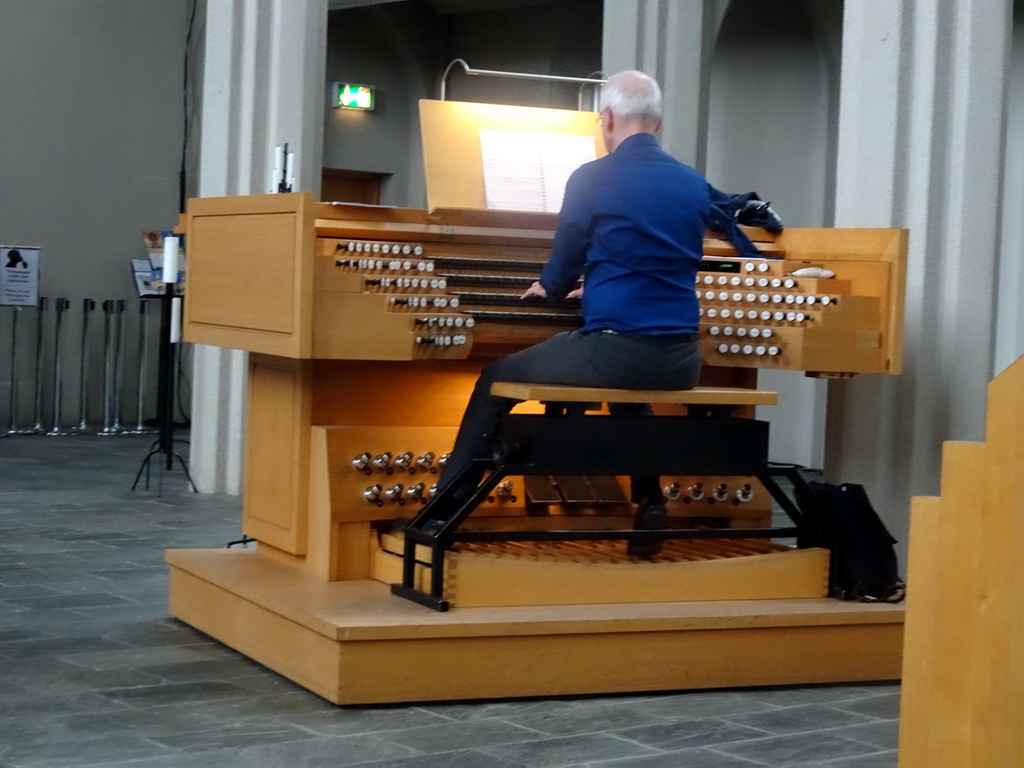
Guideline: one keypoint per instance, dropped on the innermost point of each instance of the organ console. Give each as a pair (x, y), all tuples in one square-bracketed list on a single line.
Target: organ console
[(366, 328), (360, 363), (334, 298)]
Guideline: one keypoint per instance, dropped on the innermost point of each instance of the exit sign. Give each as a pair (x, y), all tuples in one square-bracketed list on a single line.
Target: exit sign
[(354, 96)]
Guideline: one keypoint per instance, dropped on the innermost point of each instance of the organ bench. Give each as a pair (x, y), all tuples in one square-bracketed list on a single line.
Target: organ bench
[(366, 328)]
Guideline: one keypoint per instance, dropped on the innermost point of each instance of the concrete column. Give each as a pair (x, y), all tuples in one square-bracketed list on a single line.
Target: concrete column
[(773, 108), (1010, 319), (670, 41), (263, 85), (920, 141)]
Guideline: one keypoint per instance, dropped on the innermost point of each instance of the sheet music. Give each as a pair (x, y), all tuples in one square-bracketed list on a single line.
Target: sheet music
[(560, 156), (527, 170)]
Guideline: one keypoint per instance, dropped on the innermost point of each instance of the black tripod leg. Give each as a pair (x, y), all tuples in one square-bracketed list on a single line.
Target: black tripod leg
[(188, 475), (144, 467)]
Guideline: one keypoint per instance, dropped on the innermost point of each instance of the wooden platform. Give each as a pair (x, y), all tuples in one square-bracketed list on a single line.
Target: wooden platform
[(354, 643)]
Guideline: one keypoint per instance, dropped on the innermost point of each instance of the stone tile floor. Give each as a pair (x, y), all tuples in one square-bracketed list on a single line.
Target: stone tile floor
[(93, 671)]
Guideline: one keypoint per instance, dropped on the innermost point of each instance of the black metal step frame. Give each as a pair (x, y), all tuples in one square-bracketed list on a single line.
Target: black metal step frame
[(708, 441)]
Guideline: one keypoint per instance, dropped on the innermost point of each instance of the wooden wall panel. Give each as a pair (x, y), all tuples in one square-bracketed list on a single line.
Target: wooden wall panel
[(249, 277), (277, 452), (963, 689), (392, 393)]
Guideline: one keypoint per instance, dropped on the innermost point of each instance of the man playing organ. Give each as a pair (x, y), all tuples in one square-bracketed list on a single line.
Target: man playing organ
[(633, 224)]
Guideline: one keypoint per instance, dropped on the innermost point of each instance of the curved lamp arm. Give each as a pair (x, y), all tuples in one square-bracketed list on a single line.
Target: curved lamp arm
[(583, 81)]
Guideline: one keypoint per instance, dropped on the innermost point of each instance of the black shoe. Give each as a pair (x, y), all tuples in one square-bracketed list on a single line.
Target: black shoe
[(649, 517)]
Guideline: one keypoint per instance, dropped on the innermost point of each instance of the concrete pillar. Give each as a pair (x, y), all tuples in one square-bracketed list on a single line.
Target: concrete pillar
[(774, 97), (263, 85), (1010, 319), (671, 42), (920, 142)]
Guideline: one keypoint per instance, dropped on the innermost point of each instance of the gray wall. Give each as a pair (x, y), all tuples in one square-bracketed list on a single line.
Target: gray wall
[(91, 135), (1009, 318), (395, 50), (771, 129), (770, 122), (558, 39), (403, 48)]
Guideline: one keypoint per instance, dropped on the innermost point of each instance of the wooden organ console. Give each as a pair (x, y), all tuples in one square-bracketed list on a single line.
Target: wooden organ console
[(366, 327)]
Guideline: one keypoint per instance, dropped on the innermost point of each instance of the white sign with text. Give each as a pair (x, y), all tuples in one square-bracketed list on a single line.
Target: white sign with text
[(19, 276)]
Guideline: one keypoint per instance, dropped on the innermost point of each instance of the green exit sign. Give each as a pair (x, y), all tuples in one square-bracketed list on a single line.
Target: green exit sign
[(354, 96)]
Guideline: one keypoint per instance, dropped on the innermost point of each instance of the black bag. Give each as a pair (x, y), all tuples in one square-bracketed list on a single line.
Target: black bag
[(755, 212), (864, 563)]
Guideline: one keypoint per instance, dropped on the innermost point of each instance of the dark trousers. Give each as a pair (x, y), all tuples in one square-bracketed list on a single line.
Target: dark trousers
[(616, 361)]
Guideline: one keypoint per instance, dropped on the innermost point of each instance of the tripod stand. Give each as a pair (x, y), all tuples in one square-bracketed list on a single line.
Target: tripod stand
[(162, 449)]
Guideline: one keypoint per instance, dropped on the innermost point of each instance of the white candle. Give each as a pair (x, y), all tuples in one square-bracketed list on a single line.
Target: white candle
[(170, 259), (278, 168)]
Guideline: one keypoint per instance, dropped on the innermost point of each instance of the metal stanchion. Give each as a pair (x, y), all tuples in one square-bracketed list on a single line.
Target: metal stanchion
[(140, 390), (13, 425), (13, 417), (119, 325), (88, 305), (60, 306), (108, 366), (38, 405)]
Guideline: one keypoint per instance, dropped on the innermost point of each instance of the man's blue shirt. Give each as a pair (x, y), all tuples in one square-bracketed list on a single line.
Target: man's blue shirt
[(633, 224)]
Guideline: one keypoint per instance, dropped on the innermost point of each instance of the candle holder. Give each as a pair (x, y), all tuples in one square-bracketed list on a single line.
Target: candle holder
[(163, 447)]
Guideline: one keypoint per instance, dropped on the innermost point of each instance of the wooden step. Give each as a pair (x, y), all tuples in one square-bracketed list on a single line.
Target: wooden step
[(352, 642)]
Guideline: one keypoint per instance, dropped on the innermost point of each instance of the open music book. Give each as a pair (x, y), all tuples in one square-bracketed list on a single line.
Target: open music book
[(527, 170)]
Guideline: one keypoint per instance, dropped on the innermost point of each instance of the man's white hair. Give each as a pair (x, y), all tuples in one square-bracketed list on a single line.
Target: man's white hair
[(632, 95)]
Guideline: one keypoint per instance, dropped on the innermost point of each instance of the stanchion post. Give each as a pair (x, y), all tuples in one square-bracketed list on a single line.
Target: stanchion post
[(38, 400), (88, 305), (108, 365), (119, 325), (60, 306), (140, 391), (12, 428)]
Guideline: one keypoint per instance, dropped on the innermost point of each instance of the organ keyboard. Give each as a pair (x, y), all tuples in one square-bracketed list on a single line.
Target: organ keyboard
[(399, 284)]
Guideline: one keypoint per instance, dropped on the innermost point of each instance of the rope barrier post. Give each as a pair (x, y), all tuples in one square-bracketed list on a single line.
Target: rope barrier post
[(60, 306), (88, 305)]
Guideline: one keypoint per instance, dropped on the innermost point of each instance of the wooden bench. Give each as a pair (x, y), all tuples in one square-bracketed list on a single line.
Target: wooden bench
[(731, 397), (710, 439)]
